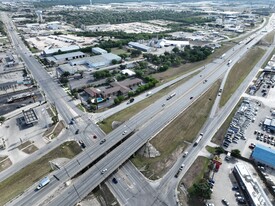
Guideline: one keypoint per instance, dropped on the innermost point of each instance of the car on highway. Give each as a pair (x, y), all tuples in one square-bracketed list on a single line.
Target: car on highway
[(103, 171), (102, 141), (94, 136), (191, 97), (124, 132), (163, 105), (181, 167), (225, 202), (77, 131), (185, 154)]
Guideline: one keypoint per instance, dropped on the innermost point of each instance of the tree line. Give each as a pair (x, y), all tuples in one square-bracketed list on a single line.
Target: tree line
[(79, 18)]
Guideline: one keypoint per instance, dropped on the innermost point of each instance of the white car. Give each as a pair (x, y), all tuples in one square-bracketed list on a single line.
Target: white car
[(185, 154), (124, 132), (104, 170)]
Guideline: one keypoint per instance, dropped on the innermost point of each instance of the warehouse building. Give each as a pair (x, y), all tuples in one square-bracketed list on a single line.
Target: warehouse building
[(97, 50), (68, 68), (264, 155), (139, 46), (62, 58), (269, 123), (49, 52), (97, 61), (250, 187)]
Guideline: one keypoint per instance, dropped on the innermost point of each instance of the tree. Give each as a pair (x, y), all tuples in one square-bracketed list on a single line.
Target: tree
[(236, 153), (135, 53), (176, 50), (114, 61), (2, 119), (202, 190), (65, 74)]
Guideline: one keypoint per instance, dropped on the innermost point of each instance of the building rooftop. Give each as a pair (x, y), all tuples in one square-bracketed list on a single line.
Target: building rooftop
[(30, 116), (136, 44), (99, 50), (264, 154), (68, 55), (254, 189), (62, 49)]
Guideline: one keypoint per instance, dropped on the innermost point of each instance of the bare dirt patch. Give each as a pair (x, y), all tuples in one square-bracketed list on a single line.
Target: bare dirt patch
[(5, 162)]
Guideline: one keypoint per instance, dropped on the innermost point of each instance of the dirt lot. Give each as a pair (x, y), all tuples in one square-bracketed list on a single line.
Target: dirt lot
[(179, 133), (5, 162)]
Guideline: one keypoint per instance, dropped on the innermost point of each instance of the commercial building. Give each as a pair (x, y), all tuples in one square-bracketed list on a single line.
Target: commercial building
[(62, 58), (269, 123), (164, 43), (139, 46), (48, 52), (30, 116), (97, 50), (116, 88), (250, 187), (97, 61), (68, 68), (264, 155)]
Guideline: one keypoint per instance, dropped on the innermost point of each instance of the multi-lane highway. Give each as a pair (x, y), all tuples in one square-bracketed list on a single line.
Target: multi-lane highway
[(146, 124)]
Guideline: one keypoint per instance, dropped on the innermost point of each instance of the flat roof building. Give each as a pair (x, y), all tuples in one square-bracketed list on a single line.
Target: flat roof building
[(250, 187), (139, 46), (30, 116), (97, 61), (264, 155), (97, 50), (48, 52), (62, 58)]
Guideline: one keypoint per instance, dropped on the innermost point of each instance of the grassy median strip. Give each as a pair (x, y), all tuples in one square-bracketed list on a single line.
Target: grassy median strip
[(129, 112), (239, 72), (173, 139), (23, 179)]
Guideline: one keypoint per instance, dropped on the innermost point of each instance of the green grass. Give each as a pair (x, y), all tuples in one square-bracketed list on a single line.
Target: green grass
[(23, 179), (211, 150), (118, 51), (172, 139), (79, 106), (106, 124), (219, 135), (269, 38), (239, 72)]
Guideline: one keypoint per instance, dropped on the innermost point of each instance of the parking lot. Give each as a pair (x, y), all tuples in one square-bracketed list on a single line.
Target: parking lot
[(225, 181)]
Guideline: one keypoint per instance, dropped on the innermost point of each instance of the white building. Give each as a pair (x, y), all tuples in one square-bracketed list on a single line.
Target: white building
[(48, 52), (97, 50), (97, 61), (163, 43)]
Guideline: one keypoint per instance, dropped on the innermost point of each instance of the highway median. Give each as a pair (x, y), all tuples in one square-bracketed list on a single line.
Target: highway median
[(174, 138)]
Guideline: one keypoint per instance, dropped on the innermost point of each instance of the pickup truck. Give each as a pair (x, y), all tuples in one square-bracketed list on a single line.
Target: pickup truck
[(43, 183)]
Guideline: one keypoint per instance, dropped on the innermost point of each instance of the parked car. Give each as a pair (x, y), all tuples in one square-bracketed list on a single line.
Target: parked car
[(224, 201), (235, 187), (114, 180)]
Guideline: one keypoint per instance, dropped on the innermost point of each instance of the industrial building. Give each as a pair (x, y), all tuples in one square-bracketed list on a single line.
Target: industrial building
[(30, 117), (269, 123), (62, 58), (139, 46), (264, 155), (164, 43), (97, 50), (48, 52), (250, 187), (122, 87), (97, 61), (68, 68)]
